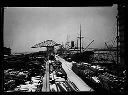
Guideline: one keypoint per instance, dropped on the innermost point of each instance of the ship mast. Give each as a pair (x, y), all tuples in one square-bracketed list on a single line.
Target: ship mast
[(80, 39)]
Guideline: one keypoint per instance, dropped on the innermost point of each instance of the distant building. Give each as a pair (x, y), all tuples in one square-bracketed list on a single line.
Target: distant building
[(7, 51), (105, 55)]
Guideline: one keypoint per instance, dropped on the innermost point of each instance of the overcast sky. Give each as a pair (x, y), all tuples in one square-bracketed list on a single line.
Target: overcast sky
[(25, 27)]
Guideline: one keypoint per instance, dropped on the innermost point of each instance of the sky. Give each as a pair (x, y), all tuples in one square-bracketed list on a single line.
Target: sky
[(27, 26)]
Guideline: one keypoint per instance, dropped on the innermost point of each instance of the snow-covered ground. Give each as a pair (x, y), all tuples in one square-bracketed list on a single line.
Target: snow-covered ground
[(29, 86), (81, 85)]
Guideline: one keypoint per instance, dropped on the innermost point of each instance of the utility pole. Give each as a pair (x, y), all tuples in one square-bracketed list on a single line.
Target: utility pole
[(80, 38)]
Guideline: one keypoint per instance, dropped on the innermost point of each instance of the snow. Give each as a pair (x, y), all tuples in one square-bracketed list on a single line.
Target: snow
[(29, 87), (53, 86), (59, 79), (96, 79)]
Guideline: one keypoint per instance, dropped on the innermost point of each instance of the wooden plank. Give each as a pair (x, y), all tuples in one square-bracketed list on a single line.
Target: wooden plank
[(47, 76), (44, 84), (46, 87)]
